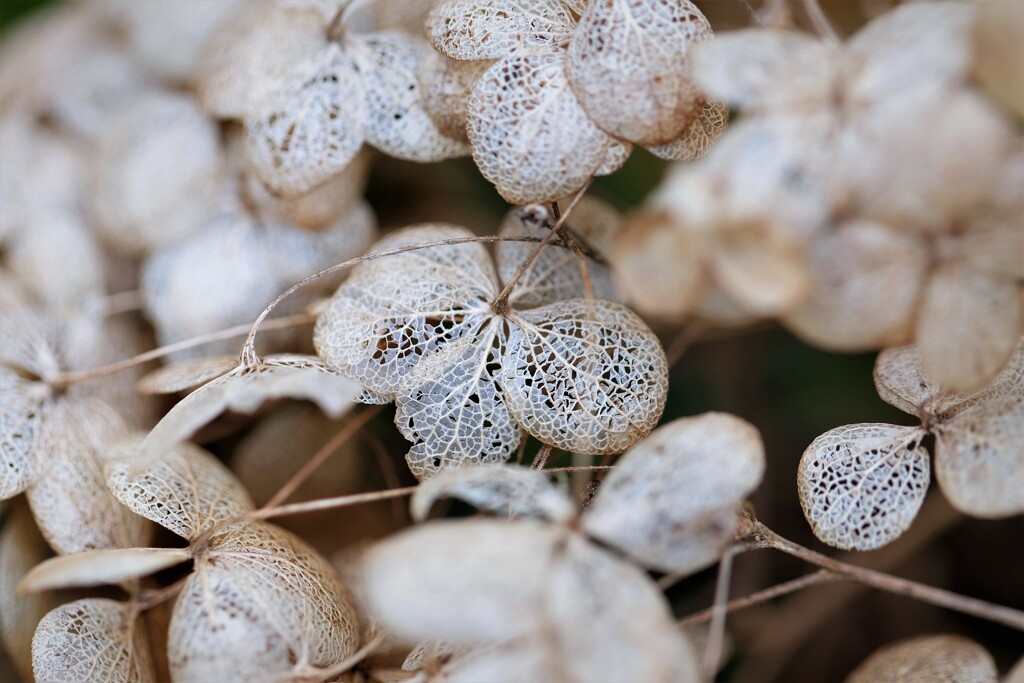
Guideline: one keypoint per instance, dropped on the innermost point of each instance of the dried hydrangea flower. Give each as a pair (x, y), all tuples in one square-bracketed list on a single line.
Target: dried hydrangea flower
[(563, 101), (425, 328), (861, 485), (926, 659)]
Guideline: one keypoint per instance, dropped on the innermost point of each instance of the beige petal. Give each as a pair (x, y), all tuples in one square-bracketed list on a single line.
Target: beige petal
[(99, 567), (584, 376), (698, 137), (530, 135), (94, 639), (445, 87), (671, 502), (186, 375), (998, 49), (901, 383), (978, 458), (492, 29), (865, 283), (928, 659), (627, 66), (20, 413), (764, 274), (968, 326), (504, 489), (861, 485)]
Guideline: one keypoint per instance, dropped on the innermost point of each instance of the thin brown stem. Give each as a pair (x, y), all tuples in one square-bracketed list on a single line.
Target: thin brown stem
[(122, 302), (249, 357), (72, 376), (765, 537), (500, 304), (149, 599), (581, 468), (683, 341), (761, 596), (820, 21), (321, 456), (716, 631), (329, 503), (541, 458)]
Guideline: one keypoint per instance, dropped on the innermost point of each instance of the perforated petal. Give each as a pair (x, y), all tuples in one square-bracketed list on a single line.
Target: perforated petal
[(968, 326), (187, 490), (861, 485), (186, 375), (492, 29), (866, 281), (393, 312), (470, 582), (99, 567), (445, 84), (671, 501), (978, 458), (616, 156), (530, 136), (928, 659), (698, 137), (244, 390), (627, 66), (764, 68), (310, 130), (396, 122), (262, 606), (584, 376), (504, 489), (20, 413), (451, 408), (561, 271)]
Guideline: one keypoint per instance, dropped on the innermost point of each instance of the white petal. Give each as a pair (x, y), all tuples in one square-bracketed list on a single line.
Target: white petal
[(99, 567), (492, 29), (504, 489), (926, 659)]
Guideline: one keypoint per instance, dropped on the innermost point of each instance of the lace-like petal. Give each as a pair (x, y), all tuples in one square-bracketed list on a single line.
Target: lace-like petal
[(492, 29)]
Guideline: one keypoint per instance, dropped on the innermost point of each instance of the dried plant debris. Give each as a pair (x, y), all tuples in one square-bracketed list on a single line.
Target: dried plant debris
[(556, 107), (421, 328), (929, 658), (861, 485)]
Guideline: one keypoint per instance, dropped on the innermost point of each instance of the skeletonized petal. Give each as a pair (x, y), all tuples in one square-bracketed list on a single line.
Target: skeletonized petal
[(671, 501), (310, 130), (263, 606), (445, 84), (186, 375), (861, 485), (393, 312), (627, 66), (978, 458), (452, 410), (968, 326), (187, 490), (530, 135), (504, 489), (396, 122), (698, 137), (865, 284), (900, 381), (94, 639), (584, 376), (492, 29), (20, 413), (928, 659)]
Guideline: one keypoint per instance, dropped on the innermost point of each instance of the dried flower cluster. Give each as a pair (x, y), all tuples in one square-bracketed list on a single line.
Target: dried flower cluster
[(176, 174)]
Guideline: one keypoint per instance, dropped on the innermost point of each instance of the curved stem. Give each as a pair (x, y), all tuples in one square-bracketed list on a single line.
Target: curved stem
[(716, 631), (766, 538), (329, 503), (770, 593), (820, 21)]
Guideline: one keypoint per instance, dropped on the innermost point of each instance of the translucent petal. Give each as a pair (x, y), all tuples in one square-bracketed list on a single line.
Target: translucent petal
[(866, 281), (912, 46), (468, 582), (764, 68), (91, 640), (69, 498), (584, 376), (310, 130), (978, 458), (451, 408), (616, 156), (505, 489), (968, 326), (627, 66), (445, 84), (698, 137), (99, 567), (262, 605), (492, 29), (244, 390), (20, 414), (530, 135), (396, 122), (861, 485), (21, 548), (900, 382), (185, 375), (928, 659), (671, 502), (187, 490), (395, 311), (1008, 384), (561, 271)]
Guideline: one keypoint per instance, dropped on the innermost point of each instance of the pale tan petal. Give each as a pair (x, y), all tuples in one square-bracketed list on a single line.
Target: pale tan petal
[(504, 489), (928, 659), (999, 51), (445, 87), (492, 29), (698, 136), (99, 567)]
